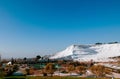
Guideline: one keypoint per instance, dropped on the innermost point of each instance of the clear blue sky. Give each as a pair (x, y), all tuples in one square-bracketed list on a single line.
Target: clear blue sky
[(32, 27)]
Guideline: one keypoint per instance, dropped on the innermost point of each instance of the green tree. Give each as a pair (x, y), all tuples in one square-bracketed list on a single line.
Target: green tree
[(2, 72), (38, 57), (15, 68), (12, 61), (25, 60)]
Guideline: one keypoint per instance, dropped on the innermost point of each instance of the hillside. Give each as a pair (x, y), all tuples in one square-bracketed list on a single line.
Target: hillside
[(100, 52)]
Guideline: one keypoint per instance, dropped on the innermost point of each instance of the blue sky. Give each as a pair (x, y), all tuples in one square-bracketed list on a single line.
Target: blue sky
[(32, 27)]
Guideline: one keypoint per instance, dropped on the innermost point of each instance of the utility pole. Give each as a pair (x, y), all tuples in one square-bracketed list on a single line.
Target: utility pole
[(0, 58)]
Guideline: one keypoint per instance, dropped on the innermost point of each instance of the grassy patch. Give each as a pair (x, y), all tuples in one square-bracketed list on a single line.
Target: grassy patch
[(56, 77), (15, 77)]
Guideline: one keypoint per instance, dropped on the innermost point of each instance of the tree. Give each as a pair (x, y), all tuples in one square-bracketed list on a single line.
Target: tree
[(25, 60), (10, 69), (100, 71), (80, 69), (12, 61), (50, 68), (2, 72), (38, 57), (71, 68), (113, 42), (15, 68), (98, 43), (27, 71), (108, 71)]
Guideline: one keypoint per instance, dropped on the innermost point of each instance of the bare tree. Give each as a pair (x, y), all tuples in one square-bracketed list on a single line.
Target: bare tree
[(70, 68), (50, 68), (100, 71), (80, 69)]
